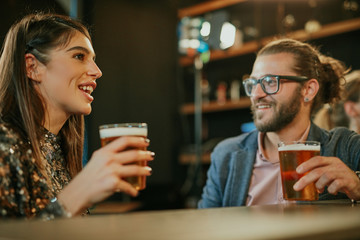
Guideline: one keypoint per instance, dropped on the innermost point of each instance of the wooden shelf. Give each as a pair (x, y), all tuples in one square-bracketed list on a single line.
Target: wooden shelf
[(328, 30), (187, 158), (205, 7), (252, 46), (214, 106)]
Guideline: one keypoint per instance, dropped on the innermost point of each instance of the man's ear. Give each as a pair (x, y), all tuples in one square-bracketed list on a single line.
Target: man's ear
[(311, 88), (32, 65)]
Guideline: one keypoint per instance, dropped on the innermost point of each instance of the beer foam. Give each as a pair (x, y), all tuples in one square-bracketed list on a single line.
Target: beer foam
[(299, 147), (122, 131)]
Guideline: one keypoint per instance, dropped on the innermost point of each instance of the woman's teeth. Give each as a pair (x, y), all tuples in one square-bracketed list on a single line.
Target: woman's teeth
[(88, 89)]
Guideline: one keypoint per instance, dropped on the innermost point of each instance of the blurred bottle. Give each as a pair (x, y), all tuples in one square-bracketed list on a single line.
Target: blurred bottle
[(239, 35), (221, 92), (205, 90), (235, 90)]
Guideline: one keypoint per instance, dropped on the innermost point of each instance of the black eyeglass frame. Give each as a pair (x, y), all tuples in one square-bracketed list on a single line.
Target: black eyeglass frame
[(278, 78)]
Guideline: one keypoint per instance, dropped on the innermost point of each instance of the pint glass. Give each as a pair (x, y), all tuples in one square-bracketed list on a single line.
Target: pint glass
[(292, 154), (110, 132)]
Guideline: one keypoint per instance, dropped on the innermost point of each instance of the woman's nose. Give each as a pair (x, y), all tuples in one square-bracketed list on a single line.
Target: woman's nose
[(95, 71)]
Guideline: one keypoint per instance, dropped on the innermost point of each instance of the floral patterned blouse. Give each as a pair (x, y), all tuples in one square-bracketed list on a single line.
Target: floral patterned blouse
[(24, 192)]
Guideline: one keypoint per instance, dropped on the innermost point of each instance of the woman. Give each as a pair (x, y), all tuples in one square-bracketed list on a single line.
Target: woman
[(47, 76)]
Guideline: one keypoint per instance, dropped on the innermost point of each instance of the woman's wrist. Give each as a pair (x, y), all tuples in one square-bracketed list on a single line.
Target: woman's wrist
[(54, 209), (73, 197), (65, 212)]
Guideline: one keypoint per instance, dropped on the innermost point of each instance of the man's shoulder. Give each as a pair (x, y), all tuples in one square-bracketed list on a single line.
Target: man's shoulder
[(342, 134), (336, 134), (340, 142), (234, 150), (242, 141)]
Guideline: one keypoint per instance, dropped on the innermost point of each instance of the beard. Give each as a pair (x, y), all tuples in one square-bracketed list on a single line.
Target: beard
[(282, 117)]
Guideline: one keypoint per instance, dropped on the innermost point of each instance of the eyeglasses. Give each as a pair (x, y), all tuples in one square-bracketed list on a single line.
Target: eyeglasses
[(269, 83)]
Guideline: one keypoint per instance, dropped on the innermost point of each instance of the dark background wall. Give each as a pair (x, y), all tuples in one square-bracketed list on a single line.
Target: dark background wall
[(12, 10), (136, 48)]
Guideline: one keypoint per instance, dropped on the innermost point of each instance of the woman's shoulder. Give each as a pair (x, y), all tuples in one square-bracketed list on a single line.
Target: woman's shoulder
[(12, 143), (9, 134)]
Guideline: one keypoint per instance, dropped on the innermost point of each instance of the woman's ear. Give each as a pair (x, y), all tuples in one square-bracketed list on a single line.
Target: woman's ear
[(311, 88), (32, 65)]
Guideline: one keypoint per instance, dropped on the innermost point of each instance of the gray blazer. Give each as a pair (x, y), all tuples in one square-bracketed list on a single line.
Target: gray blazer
[(229, 175)]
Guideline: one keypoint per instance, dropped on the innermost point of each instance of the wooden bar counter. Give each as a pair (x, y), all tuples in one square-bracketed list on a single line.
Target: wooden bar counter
[(315, 220)]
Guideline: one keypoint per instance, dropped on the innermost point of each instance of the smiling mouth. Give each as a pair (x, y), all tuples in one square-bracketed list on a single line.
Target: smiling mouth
[(87, 89), (263, 106)]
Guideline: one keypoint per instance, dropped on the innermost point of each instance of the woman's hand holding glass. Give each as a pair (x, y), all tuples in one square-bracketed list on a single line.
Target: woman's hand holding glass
[(105, 172)]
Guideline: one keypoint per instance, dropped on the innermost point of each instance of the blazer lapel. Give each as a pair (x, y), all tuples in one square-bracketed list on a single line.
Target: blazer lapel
[(242, 163)]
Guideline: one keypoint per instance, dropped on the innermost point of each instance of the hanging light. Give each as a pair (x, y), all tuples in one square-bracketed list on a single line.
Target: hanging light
[(227, 35)]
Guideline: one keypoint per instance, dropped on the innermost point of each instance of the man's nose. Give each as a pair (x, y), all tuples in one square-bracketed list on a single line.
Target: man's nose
[(258, 92)]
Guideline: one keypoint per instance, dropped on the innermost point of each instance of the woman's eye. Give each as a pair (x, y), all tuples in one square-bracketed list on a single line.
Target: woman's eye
[(80, 56)]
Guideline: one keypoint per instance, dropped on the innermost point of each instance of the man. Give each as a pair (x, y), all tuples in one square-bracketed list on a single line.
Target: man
[(289, 81)]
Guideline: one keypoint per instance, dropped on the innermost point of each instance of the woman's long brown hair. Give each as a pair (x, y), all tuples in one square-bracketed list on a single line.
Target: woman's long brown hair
[(20, 103)]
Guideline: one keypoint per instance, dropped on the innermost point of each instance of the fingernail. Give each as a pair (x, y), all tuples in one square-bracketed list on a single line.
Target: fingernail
[(298, 169), (295, 187), (147, 140), (149, 169), (152, 154)]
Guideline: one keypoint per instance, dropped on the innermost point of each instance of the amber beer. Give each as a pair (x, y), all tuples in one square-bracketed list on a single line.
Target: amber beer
[(291, 155), (110, 132)]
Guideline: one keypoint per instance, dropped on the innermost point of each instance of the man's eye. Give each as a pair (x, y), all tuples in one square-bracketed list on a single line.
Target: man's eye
[(252, 81), (80, 56), (270, 81)]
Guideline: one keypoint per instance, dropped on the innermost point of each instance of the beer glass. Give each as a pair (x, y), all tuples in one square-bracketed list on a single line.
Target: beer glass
[(292, 154), (110, 132)]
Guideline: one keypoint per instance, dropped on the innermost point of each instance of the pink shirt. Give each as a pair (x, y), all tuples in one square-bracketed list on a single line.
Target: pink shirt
[(265, 185)]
